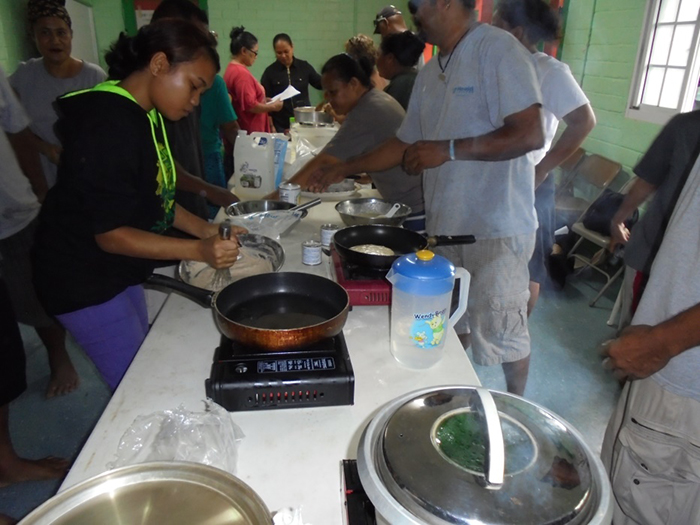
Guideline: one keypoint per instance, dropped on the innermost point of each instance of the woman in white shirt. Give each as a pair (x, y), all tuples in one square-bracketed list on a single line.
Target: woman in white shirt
[(40, 81)]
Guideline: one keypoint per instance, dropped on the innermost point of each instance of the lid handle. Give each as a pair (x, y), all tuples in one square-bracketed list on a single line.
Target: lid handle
[(495, 447)]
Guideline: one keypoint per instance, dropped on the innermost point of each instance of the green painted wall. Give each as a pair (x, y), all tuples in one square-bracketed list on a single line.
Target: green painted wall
[(600, 46), (319, 28), (109, 22), (15, 44)]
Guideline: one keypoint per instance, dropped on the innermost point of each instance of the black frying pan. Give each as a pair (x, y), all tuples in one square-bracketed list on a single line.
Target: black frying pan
[(272, 311), (400, 240)]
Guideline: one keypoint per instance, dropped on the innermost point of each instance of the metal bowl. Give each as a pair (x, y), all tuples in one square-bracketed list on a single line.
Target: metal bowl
[(245, 207), (200, 274), (310, 116), (176, 493), (370, 211)]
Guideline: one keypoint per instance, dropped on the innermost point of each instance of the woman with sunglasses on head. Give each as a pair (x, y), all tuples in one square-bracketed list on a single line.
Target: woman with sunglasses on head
[(101, 228), (247, 94)]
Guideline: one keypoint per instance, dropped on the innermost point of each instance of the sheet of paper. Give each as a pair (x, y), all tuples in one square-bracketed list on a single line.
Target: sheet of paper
[(290, 92)]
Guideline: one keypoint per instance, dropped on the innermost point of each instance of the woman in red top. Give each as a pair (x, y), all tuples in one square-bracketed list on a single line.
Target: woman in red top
[(247, 94)]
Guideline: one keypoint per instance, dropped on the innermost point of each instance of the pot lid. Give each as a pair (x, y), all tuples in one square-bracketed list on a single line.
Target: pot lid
[(424, 265), (422, 273), (427, 458)]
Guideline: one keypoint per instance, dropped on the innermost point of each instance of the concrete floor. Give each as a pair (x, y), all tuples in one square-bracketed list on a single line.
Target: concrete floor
[(565, 376)]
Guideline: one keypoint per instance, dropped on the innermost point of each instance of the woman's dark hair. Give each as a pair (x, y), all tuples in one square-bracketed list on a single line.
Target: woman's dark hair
[(180, 41), (362, 46), (241, 38), (284, 37), (180, 9), (538, 20), (406, 47), (345, 68)]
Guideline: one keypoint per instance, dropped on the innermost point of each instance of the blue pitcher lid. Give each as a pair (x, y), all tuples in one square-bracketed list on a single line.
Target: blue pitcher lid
[(424, 265)]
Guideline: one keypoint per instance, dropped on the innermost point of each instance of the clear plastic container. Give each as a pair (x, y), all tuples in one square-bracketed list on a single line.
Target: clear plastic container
[(420, 306)]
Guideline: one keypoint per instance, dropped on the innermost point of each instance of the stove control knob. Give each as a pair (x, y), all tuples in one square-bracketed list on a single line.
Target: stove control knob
[(241, 369)]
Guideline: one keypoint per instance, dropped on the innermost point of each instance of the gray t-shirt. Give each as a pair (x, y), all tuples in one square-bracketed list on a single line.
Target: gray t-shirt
[(674, 286), (489, 77), (663, 165), (38, 90), (375, 119)]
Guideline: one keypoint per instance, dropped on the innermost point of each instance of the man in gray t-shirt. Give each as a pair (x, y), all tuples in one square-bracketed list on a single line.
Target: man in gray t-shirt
[(474, 114)]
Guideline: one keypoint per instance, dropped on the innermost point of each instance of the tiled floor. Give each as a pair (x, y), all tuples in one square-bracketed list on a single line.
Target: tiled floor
[(565, 376)]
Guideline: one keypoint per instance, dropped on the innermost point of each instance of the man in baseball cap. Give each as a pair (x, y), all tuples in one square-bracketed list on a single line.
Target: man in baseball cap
[(388, 21)]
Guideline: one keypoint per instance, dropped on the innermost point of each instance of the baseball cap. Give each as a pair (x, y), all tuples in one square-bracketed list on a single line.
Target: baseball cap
[(386, 12)]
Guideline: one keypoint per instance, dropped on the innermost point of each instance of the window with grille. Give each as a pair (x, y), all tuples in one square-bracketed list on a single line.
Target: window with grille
[(666, 75)]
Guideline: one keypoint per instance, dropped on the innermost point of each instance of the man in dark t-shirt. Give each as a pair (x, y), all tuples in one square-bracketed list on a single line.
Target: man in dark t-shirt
[(661, 172)]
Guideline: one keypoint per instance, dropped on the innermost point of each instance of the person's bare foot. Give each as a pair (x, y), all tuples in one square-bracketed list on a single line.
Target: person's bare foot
[(6, 520), (17, 470), (64, 379)]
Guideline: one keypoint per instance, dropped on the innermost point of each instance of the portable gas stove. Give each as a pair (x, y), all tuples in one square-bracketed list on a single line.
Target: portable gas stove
[(365, 286), (244, 378)]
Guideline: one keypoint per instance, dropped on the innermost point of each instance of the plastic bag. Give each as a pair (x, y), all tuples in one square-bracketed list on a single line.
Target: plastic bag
[(272, 224), (210, 437), (288, 516)]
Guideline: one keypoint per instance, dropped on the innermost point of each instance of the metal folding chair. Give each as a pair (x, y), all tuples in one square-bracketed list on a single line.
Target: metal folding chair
[(600, 240), (592, 175)]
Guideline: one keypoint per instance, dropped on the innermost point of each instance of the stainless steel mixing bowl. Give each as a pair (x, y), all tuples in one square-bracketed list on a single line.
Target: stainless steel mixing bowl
[(370, 211), (176, 493)]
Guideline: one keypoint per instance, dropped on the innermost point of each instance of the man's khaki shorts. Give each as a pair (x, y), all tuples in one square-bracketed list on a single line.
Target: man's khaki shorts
[(498, 295), (652, 453)]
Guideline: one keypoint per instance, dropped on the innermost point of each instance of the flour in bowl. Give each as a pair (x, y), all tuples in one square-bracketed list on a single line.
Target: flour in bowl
[(250, 262)]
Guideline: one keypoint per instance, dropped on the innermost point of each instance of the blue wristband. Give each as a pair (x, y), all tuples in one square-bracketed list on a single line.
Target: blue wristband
[(452, 149)]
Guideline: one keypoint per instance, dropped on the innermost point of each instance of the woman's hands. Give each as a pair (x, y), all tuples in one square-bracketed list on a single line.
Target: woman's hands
[(327, 108), (218, 252), (274, 106), (324, 176)]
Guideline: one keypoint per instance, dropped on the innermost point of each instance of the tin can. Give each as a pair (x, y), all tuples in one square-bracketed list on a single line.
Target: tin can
[(289, 192), (327, 232), (311, 252)]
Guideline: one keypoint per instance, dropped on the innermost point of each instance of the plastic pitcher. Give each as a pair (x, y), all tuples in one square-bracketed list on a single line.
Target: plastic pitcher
[(420, 306)]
